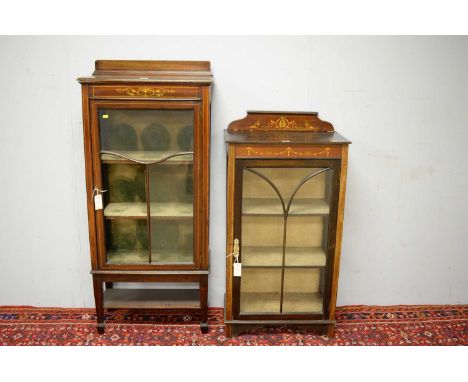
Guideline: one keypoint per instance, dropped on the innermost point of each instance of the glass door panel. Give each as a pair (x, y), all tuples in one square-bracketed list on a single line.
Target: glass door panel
[(261, 221), (284, 232), (147, 172), (127, 241), (126, 192), (304, 235), (171, 210), (262, 241), (301, 291), (260, 290), (146, 135)]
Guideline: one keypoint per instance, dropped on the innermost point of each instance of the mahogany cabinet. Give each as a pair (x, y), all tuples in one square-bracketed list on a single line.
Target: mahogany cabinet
[(286, 179), (147, 144)]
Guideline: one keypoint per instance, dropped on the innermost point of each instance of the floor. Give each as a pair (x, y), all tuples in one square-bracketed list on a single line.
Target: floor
[(356, 325)]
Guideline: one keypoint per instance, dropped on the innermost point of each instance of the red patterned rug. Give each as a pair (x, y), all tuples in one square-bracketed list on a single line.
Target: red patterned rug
[(356, 325)]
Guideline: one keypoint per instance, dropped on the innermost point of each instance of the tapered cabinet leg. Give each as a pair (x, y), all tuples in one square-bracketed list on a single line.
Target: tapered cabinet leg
[(331, 331), (99, 300), (204, 304), (228, 330)]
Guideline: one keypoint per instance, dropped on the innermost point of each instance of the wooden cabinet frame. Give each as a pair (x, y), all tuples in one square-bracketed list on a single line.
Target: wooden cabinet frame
[(149, 85), (289, 146)]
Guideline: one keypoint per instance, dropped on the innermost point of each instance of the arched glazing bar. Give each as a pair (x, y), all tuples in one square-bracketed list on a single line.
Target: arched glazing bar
[(301, 183), (271, 184)]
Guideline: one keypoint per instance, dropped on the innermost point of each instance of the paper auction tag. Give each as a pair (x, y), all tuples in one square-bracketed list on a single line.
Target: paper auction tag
[(237, 269), (98, 202)]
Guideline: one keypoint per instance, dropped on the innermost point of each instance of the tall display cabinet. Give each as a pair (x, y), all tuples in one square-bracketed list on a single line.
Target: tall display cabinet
[(147, 144), (285, 202)]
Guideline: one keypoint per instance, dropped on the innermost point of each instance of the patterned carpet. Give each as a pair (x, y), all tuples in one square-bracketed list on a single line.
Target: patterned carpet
[(356, 325)]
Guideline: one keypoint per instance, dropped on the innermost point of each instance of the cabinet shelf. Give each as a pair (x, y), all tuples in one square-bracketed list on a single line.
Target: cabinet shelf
[(128, 257), (152, 298), (157, 210), (273, 257), (147, 156), (158, 257), (292, 303), (172, 256), (302, 303), (273, 207)]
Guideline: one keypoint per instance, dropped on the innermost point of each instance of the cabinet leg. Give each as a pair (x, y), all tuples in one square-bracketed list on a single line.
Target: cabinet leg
[(204, 304), (99, 300), (228, 330), (331, 331)]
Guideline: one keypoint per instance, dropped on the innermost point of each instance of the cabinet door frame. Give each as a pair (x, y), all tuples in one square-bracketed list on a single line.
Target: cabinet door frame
[(198, 178), (240, 164)]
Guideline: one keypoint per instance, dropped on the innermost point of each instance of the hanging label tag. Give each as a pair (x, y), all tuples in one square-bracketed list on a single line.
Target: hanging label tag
[(98, 202), (237, 269)]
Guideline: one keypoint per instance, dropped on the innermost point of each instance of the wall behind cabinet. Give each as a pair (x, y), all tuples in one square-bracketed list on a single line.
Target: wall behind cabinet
[(401, 100)]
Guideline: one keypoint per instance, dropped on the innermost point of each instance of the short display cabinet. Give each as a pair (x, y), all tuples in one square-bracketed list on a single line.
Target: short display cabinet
[(285, 201), (146, 135)]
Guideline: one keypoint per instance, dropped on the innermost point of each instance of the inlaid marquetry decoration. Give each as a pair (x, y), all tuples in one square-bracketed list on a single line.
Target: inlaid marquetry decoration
[(255, 121), (280, 123), (288, 151), (145, 91)]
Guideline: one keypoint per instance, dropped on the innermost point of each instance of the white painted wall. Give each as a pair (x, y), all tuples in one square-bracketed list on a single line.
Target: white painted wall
[(402, 101)]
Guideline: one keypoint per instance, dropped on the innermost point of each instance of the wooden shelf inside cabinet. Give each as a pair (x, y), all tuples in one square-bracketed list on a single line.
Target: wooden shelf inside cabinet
[(159, 256), (273, 257), (128, 257), (146, 130), (168, 256), (152, 298), (269, 303), (303, 303), (270, 206), (148, 157), (157, 210)]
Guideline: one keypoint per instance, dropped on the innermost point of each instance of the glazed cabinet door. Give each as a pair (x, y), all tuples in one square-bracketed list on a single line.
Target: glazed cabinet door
[(145, 164), (285, 221)]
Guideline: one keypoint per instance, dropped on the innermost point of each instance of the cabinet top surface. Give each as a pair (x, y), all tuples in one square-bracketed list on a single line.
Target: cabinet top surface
[(196, 72), (285, 137)]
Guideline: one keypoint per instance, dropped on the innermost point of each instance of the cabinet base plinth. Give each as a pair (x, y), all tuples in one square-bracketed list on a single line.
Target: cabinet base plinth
[(233, 330)]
